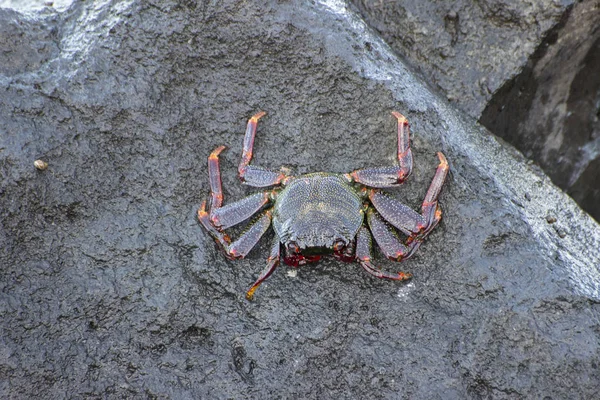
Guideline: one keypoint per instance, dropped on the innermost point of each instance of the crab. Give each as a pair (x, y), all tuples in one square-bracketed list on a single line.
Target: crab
[(322, 213)]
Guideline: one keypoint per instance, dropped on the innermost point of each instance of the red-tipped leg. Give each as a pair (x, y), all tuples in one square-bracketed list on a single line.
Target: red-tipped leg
[(387, 239), (404, 153), (249, 174), (249, 141), (363, 256), (242, 246), (390, 176), (204, 218), (272, 263), (416, 226), (222, 217), (214, 175), (430, 209)]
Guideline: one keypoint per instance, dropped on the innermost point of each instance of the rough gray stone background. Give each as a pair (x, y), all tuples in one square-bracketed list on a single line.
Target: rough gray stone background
[(526, 70), (110, 288), (467, 48), (551, 110)]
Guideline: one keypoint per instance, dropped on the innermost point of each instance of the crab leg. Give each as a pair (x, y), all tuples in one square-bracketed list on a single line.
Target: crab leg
[(363, 256), (242, 246), (390, 176), (416, 226), (214, 176), (223, 217), (430, 208), (249, 174), (272, 263), (234, 213), (387, 239)]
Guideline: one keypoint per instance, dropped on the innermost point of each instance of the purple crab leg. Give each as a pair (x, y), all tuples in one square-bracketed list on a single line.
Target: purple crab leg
[(234, 213), (387, 239), (223, 217), (272, 263), (416, 226), (430, 208), (249, 174), (214, 176), (242, 246), (390, 176), (363, 256)]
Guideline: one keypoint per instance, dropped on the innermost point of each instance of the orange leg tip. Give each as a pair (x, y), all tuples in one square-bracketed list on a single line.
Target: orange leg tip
[(443, 161), (202, 210), (257, 116), (438, 214), (401, 118), (403, 276), (250, 293), (215, 154)]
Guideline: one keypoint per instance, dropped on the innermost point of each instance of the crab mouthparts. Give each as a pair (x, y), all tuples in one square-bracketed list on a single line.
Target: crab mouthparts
[(316, 251)]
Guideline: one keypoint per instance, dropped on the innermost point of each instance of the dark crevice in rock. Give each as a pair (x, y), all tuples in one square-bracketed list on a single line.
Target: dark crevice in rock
[(550, 110)]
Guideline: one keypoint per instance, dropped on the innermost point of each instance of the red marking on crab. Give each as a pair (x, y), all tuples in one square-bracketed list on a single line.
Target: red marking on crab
[(298, 260)]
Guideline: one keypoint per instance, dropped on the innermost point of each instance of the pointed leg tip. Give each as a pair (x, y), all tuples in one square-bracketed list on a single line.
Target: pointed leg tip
[(443, 160), (401, 118), (250, 293), (202, 211), (404, 276), (257, 116), (215, 153)]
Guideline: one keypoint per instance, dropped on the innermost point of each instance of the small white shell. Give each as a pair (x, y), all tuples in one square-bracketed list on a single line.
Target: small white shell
[(40, 164)]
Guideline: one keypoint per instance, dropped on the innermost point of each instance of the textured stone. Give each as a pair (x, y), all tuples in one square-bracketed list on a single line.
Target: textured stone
[(551, 110), (468, 48), (526, 70), (110, 288)]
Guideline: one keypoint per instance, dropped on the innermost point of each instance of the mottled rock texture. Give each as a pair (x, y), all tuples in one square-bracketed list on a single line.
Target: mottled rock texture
[(109, 288), (551, 110), (526, 70)]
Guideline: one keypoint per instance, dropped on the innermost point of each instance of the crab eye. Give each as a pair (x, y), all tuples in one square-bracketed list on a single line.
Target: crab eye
[(339, 245), (293, 247)]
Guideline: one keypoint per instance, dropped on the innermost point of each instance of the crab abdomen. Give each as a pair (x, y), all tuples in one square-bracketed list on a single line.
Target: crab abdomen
[(317, 209)]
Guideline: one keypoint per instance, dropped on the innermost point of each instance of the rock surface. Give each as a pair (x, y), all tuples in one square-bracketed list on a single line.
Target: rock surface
[(526, 70), (551, 110), (110, 288), (468, 48)]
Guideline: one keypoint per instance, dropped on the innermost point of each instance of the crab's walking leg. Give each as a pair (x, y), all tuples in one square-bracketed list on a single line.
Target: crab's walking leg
[(382, 177), (242, 246), (223, 217), (214, 220), (249, 174), (234, 213), (363, 256), (272, 263), (214, 176), (416, 226), (388, 241), (430, 209)]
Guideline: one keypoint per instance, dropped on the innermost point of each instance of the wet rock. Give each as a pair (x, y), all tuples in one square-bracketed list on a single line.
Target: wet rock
[(109, 286), (469, 49), (551, 110), (526, 70)]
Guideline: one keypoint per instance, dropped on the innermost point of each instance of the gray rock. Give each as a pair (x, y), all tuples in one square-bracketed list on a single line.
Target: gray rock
[(526, 70), (110, 288), (467, 48), (551, 110)]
